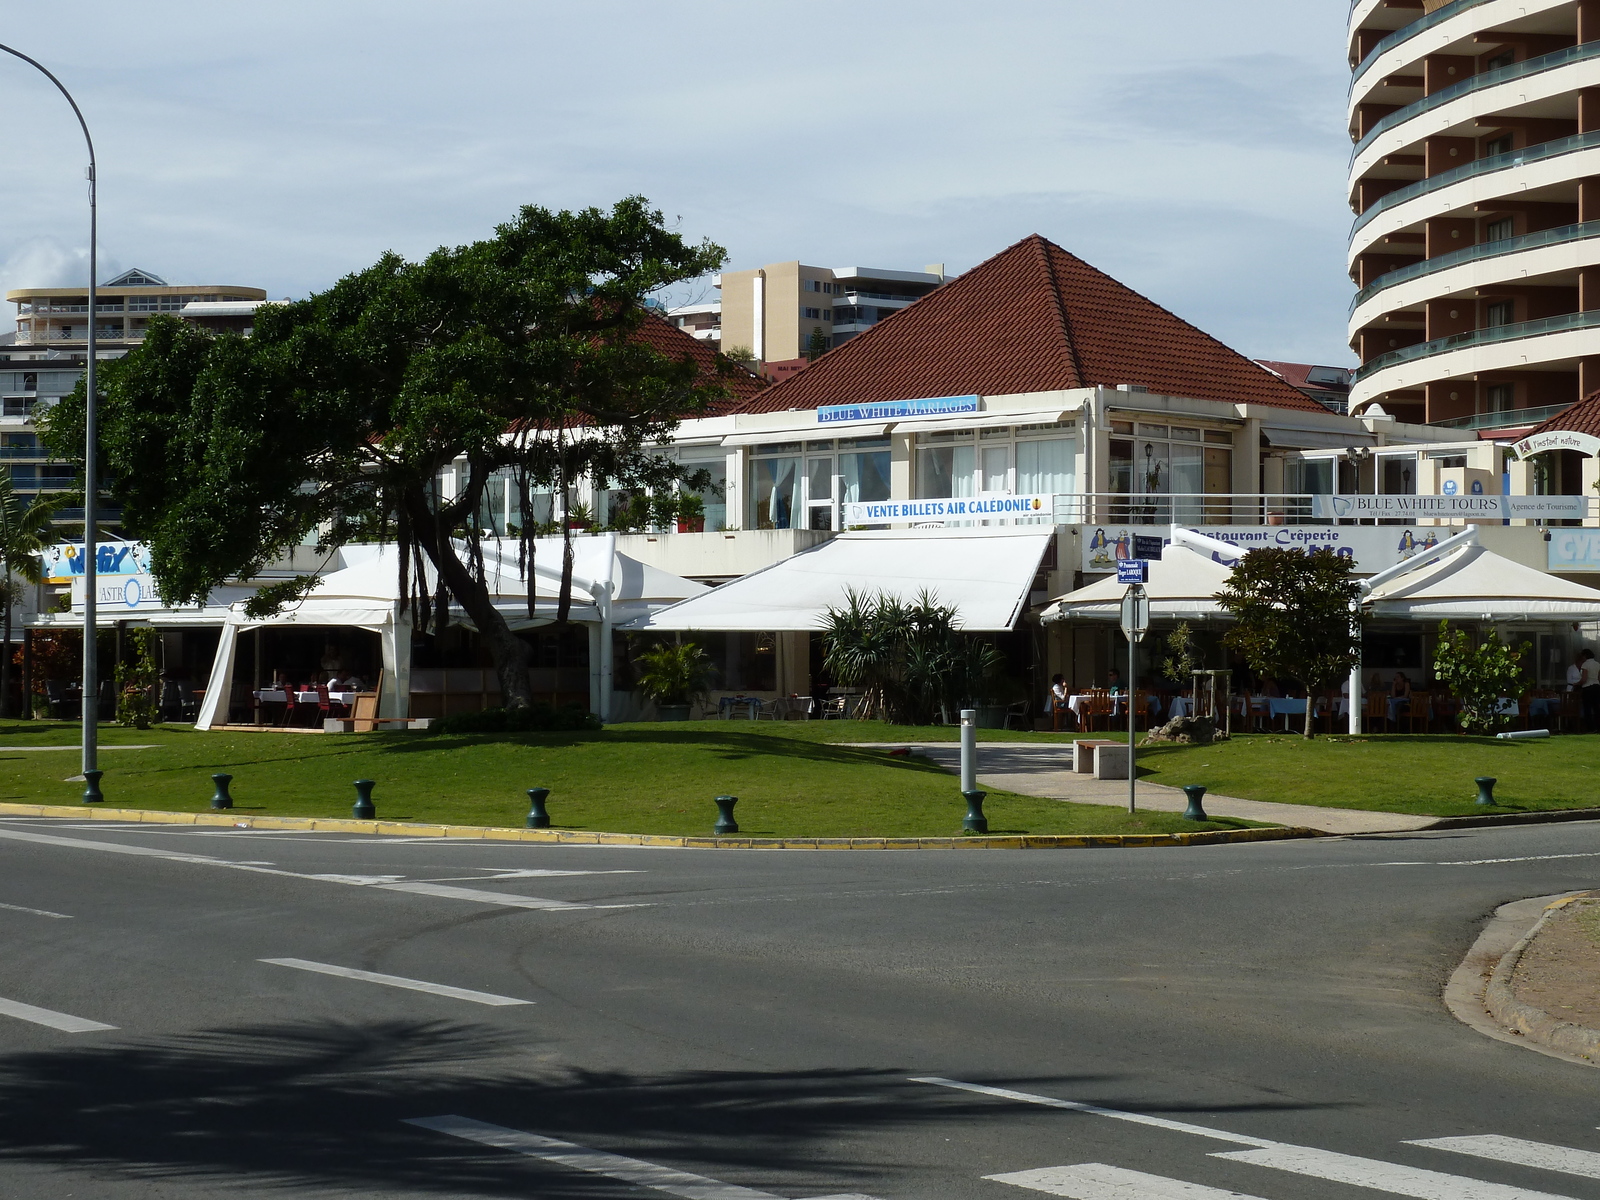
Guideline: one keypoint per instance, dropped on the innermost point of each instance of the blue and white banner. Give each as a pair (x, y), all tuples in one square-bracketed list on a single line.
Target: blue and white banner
[(895, 410), (1371, 548), (973, 508), (1574, 550), (1450, 508), (64, 562)]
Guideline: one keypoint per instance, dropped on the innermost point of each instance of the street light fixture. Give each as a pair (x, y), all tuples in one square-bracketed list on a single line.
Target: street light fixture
[(91, 683)]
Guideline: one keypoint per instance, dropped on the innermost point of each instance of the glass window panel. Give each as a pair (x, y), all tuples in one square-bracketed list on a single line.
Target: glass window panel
[(1045, 467), (872, 443), (819, 480), (819, 445), (991, 434), (1159, 431), (1185, 435), (1122, 427), (774, 492), (945, 472), (996, 469), (776, 448), (1121, 466), (1188, 479), (715, 497), (866, 476), (1221, 437)]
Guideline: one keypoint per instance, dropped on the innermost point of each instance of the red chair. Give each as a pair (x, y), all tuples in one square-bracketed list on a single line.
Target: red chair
[(290, 704)]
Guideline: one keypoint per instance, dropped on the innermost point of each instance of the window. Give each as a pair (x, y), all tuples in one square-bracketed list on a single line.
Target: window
[(1504, 59), (1500, 145), (811, 314), (828, 287), (864, 467), (945, 471), (1501, 230), (30, 381), (1501, 397), (1499, 313), (1007, 461), (1171, 460), (827, 314)]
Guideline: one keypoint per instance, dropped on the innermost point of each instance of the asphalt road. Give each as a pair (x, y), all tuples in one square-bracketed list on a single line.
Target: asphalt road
[(1261, 1020)]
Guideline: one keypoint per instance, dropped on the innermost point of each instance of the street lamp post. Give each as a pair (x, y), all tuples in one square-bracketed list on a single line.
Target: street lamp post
[(91, 683)]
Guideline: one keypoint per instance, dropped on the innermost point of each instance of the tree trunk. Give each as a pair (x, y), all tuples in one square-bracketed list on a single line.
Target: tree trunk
[(510, 653), (27, 674), (1311, 714)]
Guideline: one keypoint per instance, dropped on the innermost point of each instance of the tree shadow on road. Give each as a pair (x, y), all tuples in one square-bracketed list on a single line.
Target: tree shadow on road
[(303, 1105)]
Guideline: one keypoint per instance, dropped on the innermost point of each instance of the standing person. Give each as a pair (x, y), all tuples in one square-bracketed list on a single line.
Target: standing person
[(1575, 672), (1589, 666)]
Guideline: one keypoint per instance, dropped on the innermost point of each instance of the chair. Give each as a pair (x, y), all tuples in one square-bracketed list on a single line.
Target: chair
[(1421, 710), (291, 704), (1141, 708), (766, 710), (1377, 712), (1570, 715), (324, 703), (1097, 705), (1020, 712), (62, 706)]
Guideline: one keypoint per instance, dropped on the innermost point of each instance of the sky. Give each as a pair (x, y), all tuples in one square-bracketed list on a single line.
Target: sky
[(1193, 151)]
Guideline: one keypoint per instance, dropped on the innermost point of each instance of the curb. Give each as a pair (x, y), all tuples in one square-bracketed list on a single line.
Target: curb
[(1546, 817), (1531, 1022), (563, 837)]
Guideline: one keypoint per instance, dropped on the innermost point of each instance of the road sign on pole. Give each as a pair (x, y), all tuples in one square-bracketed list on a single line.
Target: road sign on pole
[(1133, 570), (1135, 614)]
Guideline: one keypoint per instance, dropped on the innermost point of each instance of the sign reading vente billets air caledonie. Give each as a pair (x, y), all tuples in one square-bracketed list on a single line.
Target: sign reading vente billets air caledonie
[(1450, 508), (896, 410), (974, 508)]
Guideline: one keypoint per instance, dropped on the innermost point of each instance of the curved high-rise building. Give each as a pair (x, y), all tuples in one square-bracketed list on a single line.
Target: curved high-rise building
[(1476, 186)]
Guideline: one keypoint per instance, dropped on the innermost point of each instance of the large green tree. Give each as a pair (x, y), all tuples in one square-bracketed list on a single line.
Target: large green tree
[(1296, 615), (519, 356)]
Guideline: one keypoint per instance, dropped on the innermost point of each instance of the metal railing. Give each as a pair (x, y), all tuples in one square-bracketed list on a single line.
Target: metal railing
[(1479, 253), (1182, 508), (1484, 166), (1487, 79), (1506, 419), (1406, 32), (1480, 337)]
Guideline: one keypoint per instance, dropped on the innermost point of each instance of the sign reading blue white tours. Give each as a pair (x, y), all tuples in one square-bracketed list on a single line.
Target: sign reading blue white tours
[(1450, 508), (970, 508), (896, 410)]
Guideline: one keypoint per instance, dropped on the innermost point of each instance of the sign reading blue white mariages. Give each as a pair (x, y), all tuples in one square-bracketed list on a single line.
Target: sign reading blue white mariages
[(896, 410)]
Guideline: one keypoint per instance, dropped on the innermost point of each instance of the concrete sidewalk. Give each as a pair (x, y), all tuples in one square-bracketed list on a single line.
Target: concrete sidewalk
[(1032, 769)]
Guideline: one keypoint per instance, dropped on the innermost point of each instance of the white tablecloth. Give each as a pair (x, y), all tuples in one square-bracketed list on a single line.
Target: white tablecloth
[(1118, 704), (279, 696)]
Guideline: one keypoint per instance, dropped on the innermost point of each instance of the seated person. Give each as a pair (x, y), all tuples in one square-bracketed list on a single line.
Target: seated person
[(1058, 701), (1114, 683), (352, 683), (1399, 696)]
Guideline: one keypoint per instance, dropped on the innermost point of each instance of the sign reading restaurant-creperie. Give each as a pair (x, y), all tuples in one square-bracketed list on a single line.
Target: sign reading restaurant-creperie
[(1450, 508)]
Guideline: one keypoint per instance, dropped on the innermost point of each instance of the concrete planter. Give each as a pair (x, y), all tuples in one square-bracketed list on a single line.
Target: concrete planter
[(672, 712)]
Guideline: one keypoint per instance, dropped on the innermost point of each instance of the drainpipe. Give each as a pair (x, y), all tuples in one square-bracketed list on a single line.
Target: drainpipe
[(759, 306)]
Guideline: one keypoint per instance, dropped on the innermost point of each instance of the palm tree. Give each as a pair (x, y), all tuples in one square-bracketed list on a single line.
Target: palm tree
[(25, 530)]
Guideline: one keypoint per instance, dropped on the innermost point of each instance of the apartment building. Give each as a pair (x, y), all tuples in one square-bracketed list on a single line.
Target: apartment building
[(777, 310), (44, 359), (1475, 181)]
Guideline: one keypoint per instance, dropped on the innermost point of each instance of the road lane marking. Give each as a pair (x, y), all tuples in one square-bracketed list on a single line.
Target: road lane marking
[(596, 1162), (1075, 1106), (1379, 1176), (38, 912), (1487, 862), (1097, 1181), (501, 873), (399, 981), (502, 899), (65, 1022), (1542, 1155)]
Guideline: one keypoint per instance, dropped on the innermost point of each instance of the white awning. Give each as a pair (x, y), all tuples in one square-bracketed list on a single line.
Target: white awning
[(985, 574), (1182, 587), (809, 433), (1475, 584), (1314, 439)]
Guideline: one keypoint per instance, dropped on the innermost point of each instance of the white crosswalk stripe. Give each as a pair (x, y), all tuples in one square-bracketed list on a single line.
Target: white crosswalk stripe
[(1380, 1176), (1097, 1181), (65, 1022), (1542, 1155)]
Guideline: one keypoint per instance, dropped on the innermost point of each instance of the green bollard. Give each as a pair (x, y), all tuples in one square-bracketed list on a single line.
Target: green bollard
[(1485, 790), (1195, 811), (364, 809), (220, 798), (725, 822), (538, 816), (92, 793), (975, 821)]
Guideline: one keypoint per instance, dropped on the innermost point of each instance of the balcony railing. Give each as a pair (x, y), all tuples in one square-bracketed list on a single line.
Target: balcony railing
[(40, 337), (1406, 33), (850, 297), (1484, 166), (1488, 79), (1478, 253), (25, 309), (1481, 337), (1511, 418)]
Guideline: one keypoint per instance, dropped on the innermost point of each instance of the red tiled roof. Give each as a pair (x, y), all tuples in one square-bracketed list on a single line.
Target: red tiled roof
[(666, 338), (1031, 319), (1582, 417)]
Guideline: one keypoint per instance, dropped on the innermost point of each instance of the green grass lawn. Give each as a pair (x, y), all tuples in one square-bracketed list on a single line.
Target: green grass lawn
[(1424, 774), (793, 779)]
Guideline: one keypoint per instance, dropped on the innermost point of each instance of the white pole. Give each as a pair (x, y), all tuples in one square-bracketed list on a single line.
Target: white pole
[(1132, 769), (969, 749)]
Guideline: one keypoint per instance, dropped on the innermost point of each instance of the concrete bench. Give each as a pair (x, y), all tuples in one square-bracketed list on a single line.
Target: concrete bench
[(369, 724), (1111, 761), (1083, 755)]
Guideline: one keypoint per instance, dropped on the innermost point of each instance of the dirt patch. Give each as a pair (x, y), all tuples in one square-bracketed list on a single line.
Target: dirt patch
[(1560, 970)]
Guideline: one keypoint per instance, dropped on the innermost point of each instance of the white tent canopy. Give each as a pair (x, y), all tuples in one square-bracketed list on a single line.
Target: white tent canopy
[(1475, 584), (985, 574), (365, 594), (1182, 587)]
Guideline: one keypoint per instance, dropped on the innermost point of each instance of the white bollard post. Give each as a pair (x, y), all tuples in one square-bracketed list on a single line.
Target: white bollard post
[(969, 749)]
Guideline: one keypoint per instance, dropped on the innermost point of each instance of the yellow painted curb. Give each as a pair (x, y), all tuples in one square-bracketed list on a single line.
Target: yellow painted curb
[(567, 837)]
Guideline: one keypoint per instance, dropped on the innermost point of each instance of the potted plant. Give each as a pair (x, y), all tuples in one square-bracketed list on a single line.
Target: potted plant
[(691, 513), (579, 516), (674, 677)]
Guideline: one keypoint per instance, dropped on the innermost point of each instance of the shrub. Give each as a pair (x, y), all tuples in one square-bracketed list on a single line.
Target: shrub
[(536, 718)]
